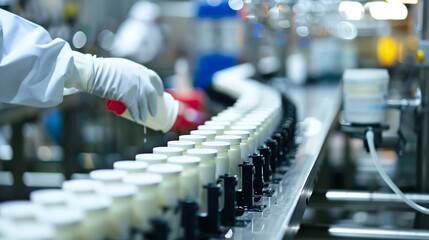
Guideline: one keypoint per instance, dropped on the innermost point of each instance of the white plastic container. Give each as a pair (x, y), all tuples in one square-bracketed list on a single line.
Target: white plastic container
[(82, 187), (169, 151), (151, 158), (234, 152), (251, 139), (166, 114), (225, 124), (4, 227), (217, 128), (50, 198), (108, 176), (65, 221), (169, 189), (222, 158), (209, 134), (365, 95), (145, 203), (185, 145), (244, 148), (119, 220), (207, 171), (96, 208), (197, 139), (130, 166), (30, 231), (19, 211), (258, 136), (189, 179)]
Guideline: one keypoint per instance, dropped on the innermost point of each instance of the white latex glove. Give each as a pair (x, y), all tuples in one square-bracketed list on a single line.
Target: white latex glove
[(118, 79)]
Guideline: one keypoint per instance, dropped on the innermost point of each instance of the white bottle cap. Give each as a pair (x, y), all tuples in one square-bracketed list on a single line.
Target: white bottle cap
[(108, 175), (130, 166), (197, 139), (151, 158), (248, 123), (30, 231), (143, 179), (251, 129), (220, 146), (218, 129), (165, 169), (61, 216), (119, 190), (48, 197), (185, 160), (217, 123), (185, 145), (202, 153), (209, 134), (243, 134), (169, 151), (19, 210), (82, 186), (91, 203), (232, 139)]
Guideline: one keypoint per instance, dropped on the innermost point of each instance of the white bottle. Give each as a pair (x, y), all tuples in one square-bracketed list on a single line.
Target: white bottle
[(169, 193), (19, 211), (82, 187), (257, 133), (169, 189), (234, 152), (166, 114), (207, 171), (189, 179), (151, 158), (244, 147), (107, 176), (66, 222), (94, 225), (209, 134), (50, 198), (169, 151), (222, 158), (250, 140), (197, 139), (130, 167), (185, 145), (225, 124), (217, 128), (145, 202), (119, 218), (30, 231)]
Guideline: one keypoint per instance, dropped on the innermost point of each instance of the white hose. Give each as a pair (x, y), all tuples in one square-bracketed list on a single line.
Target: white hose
[(370, 139)]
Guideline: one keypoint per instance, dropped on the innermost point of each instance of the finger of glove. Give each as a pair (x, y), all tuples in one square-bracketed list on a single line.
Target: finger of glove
[(137, 113), (156, 82), (152, 99), (143, 108)]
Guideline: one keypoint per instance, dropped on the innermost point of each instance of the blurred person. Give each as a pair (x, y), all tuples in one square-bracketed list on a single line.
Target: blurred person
[(36, 70)]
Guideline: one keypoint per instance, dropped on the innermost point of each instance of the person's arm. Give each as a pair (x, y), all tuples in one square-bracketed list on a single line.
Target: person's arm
[(34, 70), (33, 67)]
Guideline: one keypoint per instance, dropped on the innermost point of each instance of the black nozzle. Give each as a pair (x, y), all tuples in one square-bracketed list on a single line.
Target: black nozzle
[(189, 219), (258, 181), (247, 172), (228, 212), (266, 153), (210, 221), (272, 144)]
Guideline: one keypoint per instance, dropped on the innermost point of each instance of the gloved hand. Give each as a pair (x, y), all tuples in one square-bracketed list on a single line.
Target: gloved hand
[(118, 79)]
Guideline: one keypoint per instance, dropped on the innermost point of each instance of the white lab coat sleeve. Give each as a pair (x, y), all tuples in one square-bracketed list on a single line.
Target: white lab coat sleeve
[(33, 67)]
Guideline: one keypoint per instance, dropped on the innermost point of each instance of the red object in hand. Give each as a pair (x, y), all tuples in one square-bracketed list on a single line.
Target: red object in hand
[(116, 107)]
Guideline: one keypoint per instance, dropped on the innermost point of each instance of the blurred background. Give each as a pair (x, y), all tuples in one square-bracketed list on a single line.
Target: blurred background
[(290, 43)]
